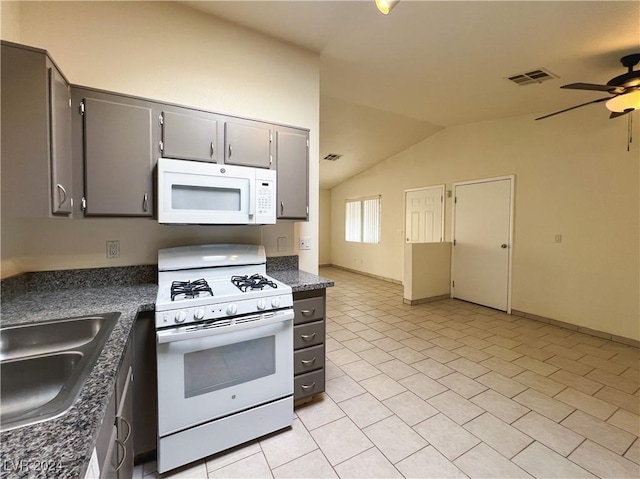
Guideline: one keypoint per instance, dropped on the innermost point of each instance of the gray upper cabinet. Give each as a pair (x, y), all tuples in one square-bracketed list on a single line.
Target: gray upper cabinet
[(247, 143), (117, 149), (292, 159), (60, 134), (36, 135), (192, 136)]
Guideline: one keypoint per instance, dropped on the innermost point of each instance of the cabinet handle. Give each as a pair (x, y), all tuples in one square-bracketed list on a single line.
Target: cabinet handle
[(213, 150), (230, 151), (63, 192), (308, 337), (124, 454), (308, 312), (307, 387), (128, 428), (281, 207), (308, 362), (145, 202)]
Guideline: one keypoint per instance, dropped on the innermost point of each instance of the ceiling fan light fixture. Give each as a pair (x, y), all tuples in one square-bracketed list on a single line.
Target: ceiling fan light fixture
[(385, 6), (624, 103)]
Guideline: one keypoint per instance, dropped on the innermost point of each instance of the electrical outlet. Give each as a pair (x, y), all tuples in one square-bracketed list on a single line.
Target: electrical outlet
[(113, 249), (558, 238), (305, 243)]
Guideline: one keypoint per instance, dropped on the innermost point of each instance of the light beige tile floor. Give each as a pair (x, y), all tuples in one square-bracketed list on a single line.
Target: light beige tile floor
[(449, 389)]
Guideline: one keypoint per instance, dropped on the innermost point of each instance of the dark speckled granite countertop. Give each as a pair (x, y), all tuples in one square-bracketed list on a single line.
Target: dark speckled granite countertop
[(301, 280), (69, 439)]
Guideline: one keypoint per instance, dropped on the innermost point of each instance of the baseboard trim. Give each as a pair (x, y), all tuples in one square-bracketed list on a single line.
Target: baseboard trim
[(579, 329), (413, 302), (382, 278)]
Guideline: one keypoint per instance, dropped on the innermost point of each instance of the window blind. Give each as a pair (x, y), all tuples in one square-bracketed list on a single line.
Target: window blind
[(362, 220)]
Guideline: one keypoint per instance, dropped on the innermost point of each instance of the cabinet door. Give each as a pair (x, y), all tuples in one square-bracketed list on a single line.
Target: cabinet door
[(124, 415), (189, 137), (24, 122), (124, 424), (247, 144), (292, 160), (60, 135), (108, 469), (118, 158)]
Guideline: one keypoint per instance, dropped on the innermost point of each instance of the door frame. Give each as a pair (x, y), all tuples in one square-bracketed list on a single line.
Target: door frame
[(443, 187), (512, 196)]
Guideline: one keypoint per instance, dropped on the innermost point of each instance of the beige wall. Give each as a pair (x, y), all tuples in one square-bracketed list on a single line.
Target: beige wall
[(170, 52), (324, 233), (10, 21), (574, 177)]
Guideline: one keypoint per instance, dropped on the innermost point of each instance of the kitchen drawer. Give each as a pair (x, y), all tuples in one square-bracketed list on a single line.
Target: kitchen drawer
[(308, 384), (310, 309), (308, 335), (305, 360)]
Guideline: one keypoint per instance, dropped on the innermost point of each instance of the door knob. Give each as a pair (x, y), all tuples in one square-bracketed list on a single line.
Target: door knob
[(503, 245)]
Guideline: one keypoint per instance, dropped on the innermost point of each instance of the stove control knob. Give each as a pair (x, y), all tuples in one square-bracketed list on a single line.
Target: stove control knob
[(180, 316), (232, 309), (262, 304), (275, 302), (198, 313)]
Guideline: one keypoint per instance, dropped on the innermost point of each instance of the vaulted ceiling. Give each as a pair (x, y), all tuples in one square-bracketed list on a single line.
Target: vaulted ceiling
[(387, 82)]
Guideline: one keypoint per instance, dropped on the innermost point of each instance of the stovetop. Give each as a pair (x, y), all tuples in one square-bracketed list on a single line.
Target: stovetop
[(203, 288), (221, 290)]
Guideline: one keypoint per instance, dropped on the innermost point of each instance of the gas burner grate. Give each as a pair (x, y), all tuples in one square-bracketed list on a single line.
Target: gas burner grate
[(190, 289), (255, 281)]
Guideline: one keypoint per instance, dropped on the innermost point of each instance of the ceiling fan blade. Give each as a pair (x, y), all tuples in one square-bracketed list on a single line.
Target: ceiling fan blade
[(616, 114), (589, 86), (573, 108)]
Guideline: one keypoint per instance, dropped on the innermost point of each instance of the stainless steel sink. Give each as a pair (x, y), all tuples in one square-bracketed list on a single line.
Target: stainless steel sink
[(50, 336), (44, 365)]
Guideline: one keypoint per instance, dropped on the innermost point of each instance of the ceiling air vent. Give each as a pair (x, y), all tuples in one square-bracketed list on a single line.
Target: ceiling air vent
[(332, 157), (531, 77)]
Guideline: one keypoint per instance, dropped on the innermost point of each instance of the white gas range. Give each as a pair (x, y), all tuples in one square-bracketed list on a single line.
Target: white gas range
[(224, 332)]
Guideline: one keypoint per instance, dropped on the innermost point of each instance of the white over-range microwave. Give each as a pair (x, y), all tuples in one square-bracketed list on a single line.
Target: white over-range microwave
[(194, 192)]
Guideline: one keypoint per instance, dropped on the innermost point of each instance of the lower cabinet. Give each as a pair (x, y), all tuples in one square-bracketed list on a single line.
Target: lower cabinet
[(308, 343), (115, 440)]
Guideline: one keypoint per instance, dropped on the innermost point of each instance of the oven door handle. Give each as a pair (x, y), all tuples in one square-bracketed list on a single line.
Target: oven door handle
[(185, 333)]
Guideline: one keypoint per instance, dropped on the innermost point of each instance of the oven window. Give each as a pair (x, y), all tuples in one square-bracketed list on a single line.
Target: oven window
[(218, 368), (186, 197)]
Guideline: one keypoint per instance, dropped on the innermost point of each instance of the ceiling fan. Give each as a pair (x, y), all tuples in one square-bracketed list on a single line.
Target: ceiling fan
[(624, 88)]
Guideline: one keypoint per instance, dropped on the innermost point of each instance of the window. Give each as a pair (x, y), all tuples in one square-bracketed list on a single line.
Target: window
[(362, 220)]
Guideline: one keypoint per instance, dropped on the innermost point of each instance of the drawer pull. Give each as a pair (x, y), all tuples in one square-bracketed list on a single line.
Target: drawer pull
[(308, 337), (308, 362), (308, 312), (308, 387)]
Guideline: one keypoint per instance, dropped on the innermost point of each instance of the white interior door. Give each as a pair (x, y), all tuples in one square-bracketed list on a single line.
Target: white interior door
[(423, 215), (482, 242)]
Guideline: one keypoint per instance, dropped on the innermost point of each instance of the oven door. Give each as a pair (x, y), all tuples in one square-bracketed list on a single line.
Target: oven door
[(206, 373)]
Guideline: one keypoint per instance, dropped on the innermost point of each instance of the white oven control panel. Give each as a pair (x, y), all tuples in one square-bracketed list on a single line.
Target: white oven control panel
[(198, 313)]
